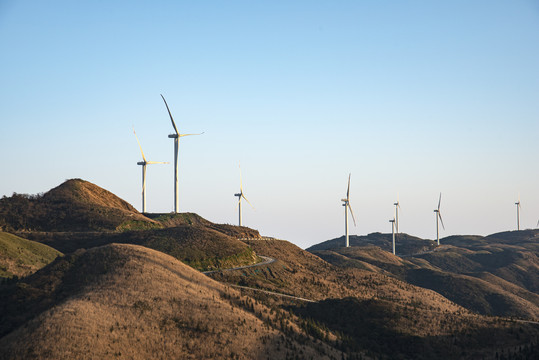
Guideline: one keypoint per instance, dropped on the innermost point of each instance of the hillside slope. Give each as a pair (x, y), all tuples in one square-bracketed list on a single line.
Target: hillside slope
[(370, 310), (129, 302), (20, 257), (496, 275)]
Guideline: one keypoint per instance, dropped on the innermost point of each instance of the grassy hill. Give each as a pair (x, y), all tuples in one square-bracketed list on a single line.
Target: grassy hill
[(126, 301), (495, 275), (373, 313), (80, 215), (192, 239), (120, 292), (75, 205), (20, 257)]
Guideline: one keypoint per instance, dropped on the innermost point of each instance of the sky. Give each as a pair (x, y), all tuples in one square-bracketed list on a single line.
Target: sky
[(413, 98)]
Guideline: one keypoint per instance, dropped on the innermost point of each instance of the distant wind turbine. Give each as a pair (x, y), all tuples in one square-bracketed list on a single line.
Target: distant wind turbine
[(397, 207), (241, 195), (438, 216), (144, 163), (392, 221), (176, 138), (346, 208), (518, 212)]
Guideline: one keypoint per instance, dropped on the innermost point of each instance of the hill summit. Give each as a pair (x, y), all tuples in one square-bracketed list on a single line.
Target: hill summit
[(75, 205)]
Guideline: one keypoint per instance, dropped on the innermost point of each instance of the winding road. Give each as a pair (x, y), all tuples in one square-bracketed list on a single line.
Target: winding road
[(267, 260)]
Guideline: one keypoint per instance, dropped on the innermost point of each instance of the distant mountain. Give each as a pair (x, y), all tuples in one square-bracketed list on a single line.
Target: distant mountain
[(75, 205), (20, 257), (407, 244), (494, 275)]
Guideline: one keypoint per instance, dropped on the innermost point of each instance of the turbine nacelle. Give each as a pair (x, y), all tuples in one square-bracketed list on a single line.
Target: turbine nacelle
[(173, 136)]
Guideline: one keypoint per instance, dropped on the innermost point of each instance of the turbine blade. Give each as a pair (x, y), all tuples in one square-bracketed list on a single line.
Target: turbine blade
[(441, 221), (243, 196), (157, 162), (352, 213), (348, 189), (180, 135), (439, 201), (142, 152), (171, 119), (241, 182)]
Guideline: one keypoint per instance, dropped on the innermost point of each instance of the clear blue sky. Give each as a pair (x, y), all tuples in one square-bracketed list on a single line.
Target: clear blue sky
[(412, 97)]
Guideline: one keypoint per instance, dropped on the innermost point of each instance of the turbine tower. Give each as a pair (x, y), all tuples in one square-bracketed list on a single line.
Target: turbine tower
[(144, 163), (241, 195), (392, 221), (176, 138), (438, 216), (518, 212), (346, 208), (397, 207)]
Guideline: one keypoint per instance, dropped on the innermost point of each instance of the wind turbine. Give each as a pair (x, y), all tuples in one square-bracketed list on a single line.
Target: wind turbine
[(397, 207), (176, 138), (392, 221), (438, 216), (144, 163), (518, 212), (346, 208), (241, 195)]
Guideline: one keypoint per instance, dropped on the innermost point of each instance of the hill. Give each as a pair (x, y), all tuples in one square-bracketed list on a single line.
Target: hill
[(20, 257), (80, 215), (75, 205), (190, 238), (126, 301), (495, 275), (407, 244), (371, 312)]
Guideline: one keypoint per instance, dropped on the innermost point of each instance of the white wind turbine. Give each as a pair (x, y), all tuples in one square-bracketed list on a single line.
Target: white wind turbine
[(392, 221), (518, 212), (241, 195), (346, 208), (397, 208), (176, 138), (144, 163), (438, 216)]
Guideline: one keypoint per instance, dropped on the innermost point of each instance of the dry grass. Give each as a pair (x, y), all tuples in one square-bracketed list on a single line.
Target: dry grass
[(125, 301), (20, 257)]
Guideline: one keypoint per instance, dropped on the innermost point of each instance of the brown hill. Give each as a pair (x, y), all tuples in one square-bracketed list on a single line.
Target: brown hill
[(491, 276), (80, 215), (373, 311), (75, 205), (126, 301)]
